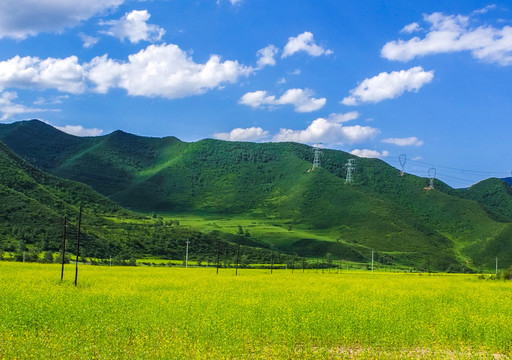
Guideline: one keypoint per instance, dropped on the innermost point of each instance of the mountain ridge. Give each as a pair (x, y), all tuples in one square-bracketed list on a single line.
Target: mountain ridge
[(381, 209)]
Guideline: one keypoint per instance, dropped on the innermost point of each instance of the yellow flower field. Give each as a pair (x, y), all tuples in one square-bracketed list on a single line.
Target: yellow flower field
[(176, 313)]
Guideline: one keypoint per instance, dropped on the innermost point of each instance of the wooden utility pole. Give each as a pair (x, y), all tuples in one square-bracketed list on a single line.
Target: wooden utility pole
[(78, 244), (63, 250), (186, 256), (237, 256), (218, 256), (372, 261), (271, 262)]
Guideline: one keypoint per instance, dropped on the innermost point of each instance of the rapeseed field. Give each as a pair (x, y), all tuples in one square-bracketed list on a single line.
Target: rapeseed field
[(177, 313)]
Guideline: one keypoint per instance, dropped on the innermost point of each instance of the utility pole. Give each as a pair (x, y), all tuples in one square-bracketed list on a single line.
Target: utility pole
[(372, 261), (78, 244), (496, 266), (237, 256), (218, 256), (186, 256), (63, 251)]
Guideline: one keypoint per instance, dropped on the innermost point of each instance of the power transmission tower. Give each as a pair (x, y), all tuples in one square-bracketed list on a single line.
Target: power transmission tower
[(351, 167), (432, 176), (317, 153), (402, 159)]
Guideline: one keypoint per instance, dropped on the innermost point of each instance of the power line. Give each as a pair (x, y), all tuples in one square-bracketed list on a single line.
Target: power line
[(463, 171)]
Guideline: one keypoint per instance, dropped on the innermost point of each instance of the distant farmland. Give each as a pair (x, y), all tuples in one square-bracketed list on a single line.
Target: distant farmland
[(177, 313)]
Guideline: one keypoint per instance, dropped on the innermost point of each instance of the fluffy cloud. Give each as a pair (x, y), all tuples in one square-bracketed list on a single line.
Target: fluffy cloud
[(485, 9), (341, 118), (248, 134), (8, 108), (31, 72), (159, 70), (51, 101), (301, 99), (453, 33), (133, 26), (79, 130), (22, 18), (366, 153), (407, 29), (266, 56), (165, 71), (304, 42), (388, 86), (324, 131), (409, 141), (89, 41)]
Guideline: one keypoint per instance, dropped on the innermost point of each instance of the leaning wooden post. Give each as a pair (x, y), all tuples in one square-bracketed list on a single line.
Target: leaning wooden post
[(78, 244), (218, 256), (63, 251), (237, 256)]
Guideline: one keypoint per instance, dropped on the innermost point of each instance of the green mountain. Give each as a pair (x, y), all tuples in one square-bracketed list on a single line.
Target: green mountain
[(270, 183), (33, 205), (494, 194)]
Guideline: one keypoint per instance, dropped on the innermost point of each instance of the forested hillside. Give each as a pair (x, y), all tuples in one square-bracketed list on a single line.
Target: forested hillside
[(380, 210), (33, 206)]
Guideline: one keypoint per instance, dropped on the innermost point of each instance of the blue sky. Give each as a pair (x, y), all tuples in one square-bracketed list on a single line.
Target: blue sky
[(430, 79)]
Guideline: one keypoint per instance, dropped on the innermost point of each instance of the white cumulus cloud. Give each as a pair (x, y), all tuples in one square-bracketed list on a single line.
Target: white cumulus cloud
[(408, 29), (341, 118), (239, 134), (409, 141), (388, 85), (8, 108), (322, 130), (133, 26), (79, 130), (454, 33), (366, 153), (159, 70), (301, 99), (22, 18), (65, 75), (266, 56), (485, 9), (164, 71), (52, 100), (89, 41), (306, 43)]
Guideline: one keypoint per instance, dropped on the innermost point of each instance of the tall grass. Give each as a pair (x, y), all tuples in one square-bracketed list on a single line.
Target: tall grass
[(172, 313)]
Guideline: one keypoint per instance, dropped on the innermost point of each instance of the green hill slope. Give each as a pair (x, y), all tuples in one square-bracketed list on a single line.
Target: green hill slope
[(33, 205), (381, 210), (494, 194)]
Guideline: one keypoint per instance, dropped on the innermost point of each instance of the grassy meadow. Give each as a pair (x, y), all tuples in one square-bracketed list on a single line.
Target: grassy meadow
[(177, 313)]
